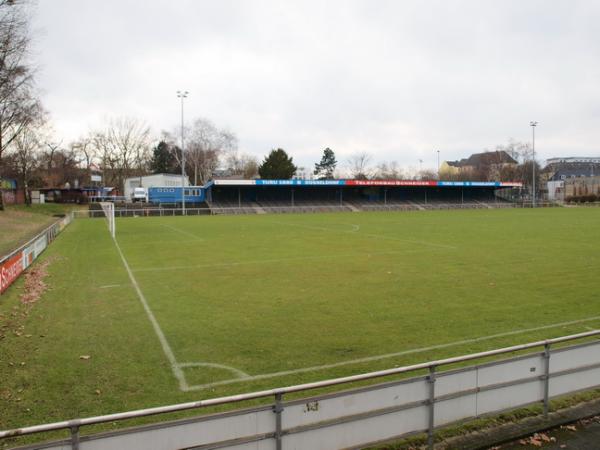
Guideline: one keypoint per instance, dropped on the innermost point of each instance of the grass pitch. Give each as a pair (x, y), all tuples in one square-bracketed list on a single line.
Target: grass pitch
[(250, 302)]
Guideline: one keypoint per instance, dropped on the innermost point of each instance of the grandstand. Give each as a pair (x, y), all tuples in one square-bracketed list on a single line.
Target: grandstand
[(277, 196)]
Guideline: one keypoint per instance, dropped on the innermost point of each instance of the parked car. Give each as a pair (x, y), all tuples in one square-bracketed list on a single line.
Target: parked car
[(139, 194)]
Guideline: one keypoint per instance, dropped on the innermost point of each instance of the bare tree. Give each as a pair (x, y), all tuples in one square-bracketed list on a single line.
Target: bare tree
[(519, 151), (243, 165), (428, 174), (86, 150), (205, 145), (59, 166), (123, 148), (23, 155), (18, 105), (359, 166), (389, 171), (201, 150), (106, 155), (47, 138), (129, 138)]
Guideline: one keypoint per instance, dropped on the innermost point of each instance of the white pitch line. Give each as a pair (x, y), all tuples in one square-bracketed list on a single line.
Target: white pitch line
[(107, 286), (176, 241), (185, 233), (274, 260), (177, 372), (238, 372), (390, 355), (375, 236)]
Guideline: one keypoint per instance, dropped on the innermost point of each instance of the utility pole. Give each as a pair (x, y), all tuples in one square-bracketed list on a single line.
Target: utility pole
[(182, 95), (533, 124)]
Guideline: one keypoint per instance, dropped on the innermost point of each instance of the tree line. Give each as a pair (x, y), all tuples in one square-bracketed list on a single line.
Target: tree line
[(125, 147)]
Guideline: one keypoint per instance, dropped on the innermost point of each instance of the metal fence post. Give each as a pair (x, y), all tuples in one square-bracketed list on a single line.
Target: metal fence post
[(546, 378), (431, 403), (75, 438), (278, 409)]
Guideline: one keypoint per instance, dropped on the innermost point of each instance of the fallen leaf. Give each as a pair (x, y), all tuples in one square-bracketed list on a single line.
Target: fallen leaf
[(535, 442), (85, 357)]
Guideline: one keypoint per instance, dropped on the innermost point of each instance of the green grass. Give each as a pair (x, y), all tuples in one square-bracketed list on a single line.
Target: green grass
[(19, 223), (272, 293)]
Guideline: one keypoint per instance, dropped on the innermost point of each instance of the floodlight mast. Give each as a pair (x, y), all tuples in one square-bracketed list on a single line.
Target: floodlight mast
[(182, 95), (533, 124)]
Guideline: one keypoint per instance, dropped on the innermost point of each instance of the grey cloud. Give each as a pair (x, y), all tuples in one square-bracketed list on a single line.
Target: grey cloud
[(397, 79)]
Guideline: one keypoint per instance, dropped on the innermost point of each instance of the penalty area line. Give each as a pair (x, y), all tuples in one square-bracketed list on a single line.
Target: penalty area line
[(389, 355)]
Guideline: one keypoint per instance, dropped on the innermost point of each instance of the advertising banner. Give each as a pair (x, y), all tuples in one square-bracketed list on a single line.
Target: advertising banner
[(405, 183), (39, 246), (10, 270), (390, 183), (27, 256), (300, 182)]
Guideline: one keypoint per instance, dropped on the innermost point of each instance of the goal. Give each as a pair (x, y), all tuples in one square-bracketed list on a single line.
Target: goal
[(109, 213)]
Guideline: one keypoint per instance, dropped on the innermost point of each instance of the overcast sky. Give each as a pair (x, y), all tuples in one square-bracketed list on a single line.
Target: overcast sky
[(397, 79)]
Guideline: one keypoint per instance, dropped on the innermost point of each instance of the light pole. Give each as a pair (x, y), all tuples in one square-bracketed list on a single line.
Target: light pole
[(438, 152), (420, 168), (533, 124), (182, 95)]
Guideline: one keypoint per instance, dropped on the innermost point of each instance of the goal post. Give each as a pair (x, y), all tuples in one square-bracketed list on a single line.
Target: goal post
[(109, 214)]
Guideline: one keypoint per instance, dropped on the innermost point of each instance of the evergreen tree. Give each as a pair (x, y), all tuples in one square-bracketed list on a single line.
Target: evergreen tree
[(324, 169), (277, 166), (163, 160)]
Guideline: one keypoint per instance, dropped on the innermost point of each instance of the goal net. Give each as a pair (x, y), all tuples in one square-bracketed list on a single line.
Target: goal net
[(109, 213)]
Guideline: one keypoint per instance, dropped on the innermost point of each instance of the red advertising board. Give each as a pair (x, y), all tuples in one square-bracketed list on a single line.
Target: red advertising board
[(390, 183), (10, 270)]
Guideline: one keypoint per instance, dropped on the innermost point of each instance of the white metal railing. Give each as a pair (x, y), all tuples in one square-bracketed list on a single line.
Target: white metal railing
[(143, 212), (253, 209), (362, 415), (16, 261)]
